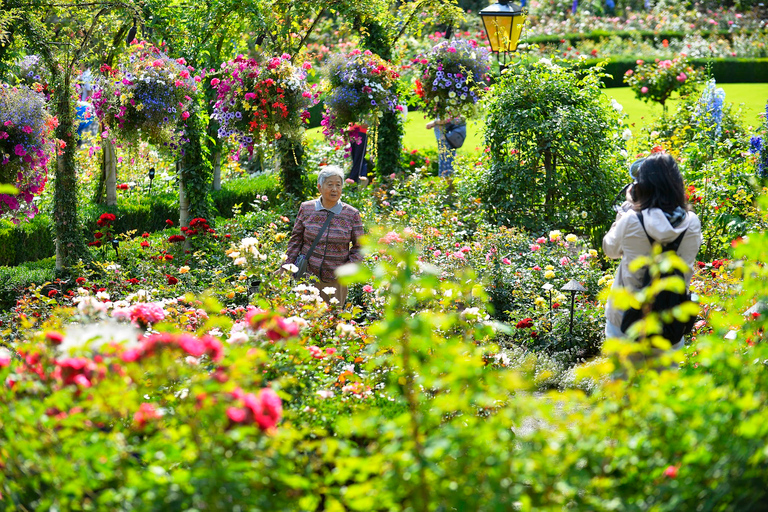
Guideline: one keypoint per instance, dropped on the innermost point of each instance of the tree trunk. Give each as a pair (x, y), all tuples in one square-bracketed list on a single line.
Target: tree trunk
[(217, 169), (69, 242), (110, 170)]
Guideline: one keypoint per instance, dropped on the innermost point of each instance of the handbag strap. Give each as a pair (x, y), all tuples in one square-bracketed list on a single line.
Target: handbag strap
[(319, 234)]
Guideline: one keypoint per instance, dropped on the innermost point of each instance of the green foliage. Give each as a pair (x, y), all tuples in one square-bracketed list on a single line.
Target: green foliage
[(658, 81), (292, 173), (27, 241), (17, 278), (196, 169), (555, 150)]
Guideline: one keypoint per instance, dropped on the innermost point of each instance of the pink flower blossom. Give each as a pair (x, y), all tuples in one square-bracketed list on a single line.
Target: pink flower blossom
[(541, 240), (506, 261), (185, 115), (643, 89), (564, 261), (534, 247), (368, 288), (671, 472), (145, 413), (215, 82), (682, 77)]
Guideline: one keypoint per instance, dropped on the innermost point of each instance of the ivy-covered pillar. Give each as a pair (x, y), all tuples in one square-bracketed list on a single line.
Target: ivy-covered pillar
[(70, 246), (291, 155), (389, 141), (195, 173)]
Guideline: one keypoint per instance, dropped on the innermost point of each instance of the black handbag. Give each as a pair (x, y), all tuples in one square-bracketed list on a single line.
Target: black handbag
[(455, 135), (302, 260)]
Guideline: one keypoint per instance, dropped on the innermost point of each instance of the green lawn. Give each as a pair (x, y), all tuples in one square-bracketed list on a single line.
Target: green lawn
[(752, 97)]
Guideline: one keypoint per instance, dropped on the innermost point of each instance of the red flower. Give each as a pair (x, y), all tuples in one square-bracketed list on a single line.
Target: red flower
[(97, 243), (80, 280), (171, 280), (98, 234), (169, 222), (168, 257), (132, 280), (176, 238), (54, 337), (144, 243), (51, 293), (525, 323), (671, 472)]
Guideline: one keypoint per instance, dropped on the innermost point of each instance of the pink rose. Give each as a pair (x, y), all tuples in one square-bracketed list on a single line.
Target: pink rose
[(185, 115), (215, 82), (368, 288), (644, 90)]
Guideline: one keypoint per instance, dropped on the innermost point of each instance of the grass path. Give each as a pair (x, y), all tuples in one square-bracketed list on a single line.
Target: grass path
[(752, 96)]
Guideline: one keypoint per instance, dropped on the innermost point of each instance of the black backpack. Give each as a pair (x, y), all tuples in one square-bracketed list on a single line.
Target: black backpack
[(665, 300)]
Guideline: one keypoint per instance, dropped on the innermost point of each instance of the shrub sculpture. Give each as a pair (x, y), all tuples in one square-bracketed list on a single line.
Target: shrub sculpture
[(26, 144), (361, 88), (147, 96), (454, 78), (556, 144)]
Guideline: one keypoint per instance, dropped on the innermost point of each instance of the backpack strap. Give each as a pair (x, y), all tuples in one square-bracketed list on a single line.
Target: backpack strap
[(672, 246)]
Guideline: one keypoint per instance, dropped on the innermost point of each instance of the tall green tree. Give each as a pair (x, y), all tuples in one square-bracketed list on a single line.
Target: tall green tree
[(65, 34)]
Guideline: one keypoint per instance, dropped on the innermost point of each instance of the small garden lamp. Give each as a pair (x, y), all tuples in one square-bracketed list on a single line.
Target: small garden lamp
[(115, 244), (503, 23), (548, 287), (572, 286), (151, 177)]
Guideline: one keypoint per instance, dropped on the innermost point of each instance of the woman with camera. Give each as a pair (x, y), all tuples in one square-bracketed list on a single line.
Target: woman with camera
[(327, 234), (655, 209)]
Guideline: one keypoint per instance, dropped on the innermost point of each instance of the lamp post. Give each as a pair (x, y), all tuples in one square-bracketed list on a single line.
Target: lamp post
[(503, 23), (548, 287), (115, 244), (572, 286)]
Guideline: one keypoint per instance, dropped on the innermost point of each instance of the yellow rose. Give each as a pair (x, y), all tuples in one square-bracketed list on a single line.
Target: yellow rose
[(539, 302), (184, 269), (554, 235), (593, 253), (280, 237), (571, 237), (549, 274), (549, 267)]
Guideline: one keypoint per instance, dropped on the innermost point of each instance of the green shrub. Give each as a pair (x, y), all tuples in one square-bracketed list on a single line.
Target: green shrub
[(26, 241), (555, 150), (16, 278)]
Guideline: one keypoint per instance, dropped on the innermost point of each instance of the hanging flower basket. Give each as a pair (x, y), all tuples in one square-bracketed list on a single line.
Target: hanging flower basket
[(361, 88), (260, 102), (455, 77), (147, 96), (26, 144)]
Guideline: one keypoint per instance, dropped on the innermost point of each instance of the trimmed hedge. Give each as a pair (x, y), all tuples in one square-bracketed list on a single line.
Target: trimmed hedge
[(34, 240), (645, 35), (27, 241), (14, 279), (725, 71)]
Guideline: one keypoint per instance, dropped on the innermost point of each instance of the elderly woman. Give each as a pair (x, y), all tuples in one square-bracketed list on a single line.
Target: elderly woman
[(339, 243)]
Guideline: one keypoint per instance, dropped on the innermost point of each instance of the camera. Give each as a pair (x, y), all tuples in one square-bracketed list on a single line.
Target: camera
[(634, 170)]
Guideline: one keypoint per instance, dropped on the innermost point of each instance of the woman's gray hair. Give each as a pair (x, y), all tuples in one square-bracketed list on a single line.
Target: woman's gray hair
[(328, 171)]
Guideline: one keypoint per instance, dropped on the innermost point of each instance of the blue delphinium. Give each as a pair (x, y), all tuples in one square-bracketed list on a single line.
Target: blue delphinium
[(575, 6), (709, 109)]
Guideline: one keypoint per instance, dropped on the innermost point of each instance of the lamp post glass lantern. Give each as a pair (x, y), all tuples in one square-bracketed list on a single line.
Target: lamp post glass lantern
[(503, 23)]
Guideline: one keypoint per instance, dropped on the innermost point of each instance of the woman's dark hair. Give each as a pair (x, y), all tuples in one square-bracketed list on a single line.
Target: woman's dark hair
[(659, 184)]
